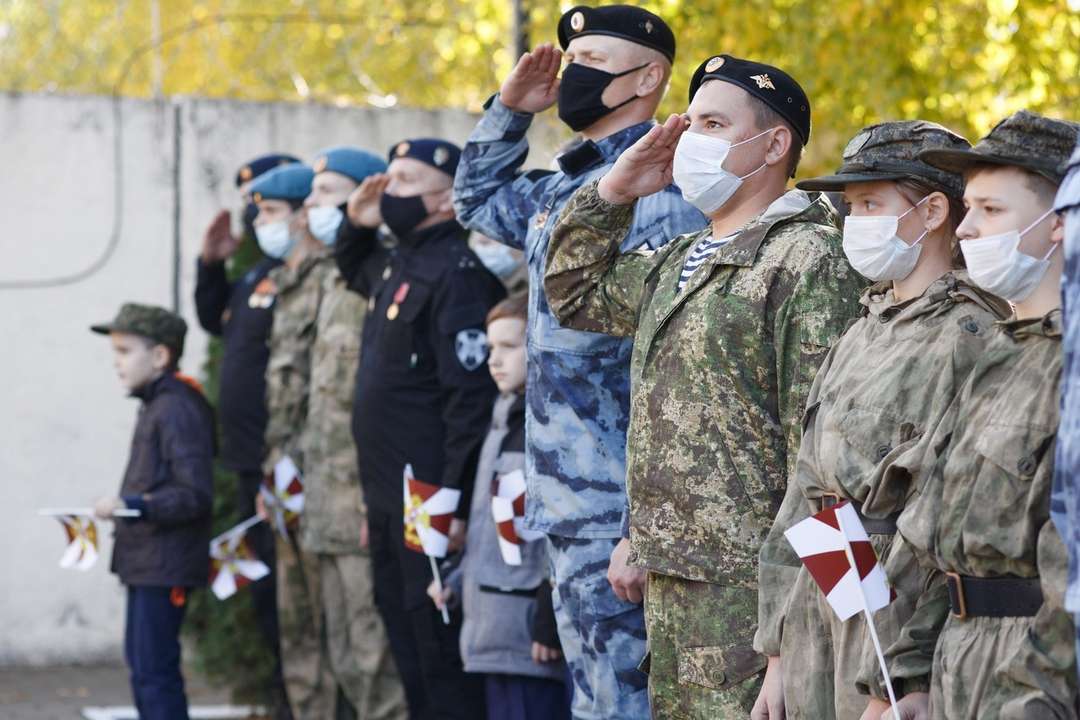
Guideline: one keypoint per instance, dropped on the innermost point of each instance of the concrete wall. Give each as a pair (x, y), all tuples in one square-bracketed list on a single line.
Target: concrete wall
[(64, 422)]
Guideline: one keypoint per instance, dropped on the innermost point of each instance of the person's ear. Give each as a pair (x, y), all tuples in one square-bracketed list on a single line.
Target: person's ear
[(650, 80), (1057, 228), (445, 201), (160, 357), (779, 144), (936, 211)]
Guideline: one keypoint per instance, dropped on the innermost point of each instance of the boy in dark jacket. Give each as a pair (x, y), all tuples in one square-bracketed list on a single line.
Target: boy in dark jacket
[(163, 553), (509, 632)]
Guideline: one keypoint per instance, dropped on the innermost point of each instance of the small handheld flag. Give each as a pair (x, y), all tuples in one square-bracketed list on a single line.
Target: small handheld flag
[(233, 563), (429, 511), (836, 550), (283, 495), (82, 550), (508, 510)]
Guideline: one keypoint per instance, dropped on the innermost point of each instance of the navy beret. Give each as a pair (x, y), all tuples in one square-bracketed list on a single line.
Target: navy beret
[(260, 165), (349, 161), (439, 154), (767, 83), (288, 182), (627, 22)]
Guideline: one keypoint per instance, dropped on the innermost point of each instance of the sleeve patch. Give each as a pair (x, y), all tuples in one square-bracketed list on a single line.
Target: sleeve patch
[(471, 348)]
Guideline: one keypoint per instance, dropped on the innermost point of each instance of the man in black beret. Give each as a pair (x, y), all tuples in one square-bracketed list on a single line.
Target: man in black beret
[(729, 326), (618, 64), (240, 312)]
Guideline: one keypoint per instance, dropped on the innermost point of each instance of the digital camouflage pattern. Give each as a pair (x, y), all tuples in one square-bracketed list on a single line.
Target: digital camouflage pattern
[(982, 509), (333, 499), (891, 375), (701, 665), (148, 321), (715, 411)]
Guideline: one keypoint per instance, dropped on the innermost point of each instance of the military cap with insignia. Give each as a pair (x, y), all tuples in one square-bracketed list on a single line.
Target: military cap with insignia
[(288, 182), (349, 161), (1024, 139), (627, 22), (890, 151), (149, 321), (439, 154), (261, 165), (770, 84)]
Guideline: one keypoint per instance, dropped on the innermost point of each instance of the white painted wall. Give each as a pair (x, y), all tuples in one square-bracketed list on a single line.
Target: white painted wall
[(64, 422)]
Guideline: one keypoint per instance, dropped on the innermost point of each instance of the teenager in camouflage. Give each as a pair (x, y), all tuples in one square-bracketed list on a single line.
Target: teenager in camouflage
[(923, 324), (729, 327), (993, 614)]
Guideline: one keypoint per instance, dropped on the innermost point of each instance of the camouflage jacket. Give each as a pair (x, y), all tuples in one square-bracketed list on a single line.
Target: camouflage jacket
[(333, 499), (720, 370), (981, 507), (891, 375)]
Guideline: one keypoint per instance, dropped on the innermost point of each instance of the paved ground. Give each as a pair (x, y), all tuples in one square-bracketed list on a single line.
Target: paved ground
[(60, 693)]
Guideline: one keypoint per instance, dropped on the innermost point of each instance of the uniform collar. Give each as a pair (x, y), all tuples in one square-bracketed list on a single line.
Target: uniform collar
[(1049, 326), (589, 154), (743, 248), (434, 232), (954, 286), (150, 390)]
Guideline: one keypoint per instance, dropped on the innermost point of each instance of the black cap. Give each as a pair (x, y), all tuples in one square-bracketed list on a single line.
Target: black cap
[(262, 164), (890, 151), (1024, 139), (439, 154), (768, 83), (627, 22)]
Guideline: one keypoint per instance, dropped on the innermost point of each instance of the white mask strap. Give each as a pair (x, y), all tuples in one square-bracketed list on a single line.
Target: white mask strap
[(1039, 220)]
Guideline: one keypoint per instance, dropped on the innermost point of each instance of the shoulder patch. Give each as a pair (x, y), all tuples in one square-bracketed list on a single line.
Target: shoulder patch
[(471, 348)]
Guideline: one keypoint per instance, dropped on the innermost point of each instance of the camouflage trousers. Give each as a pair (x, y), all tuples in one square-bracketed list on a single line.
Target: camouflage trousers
[(702, 665), (969, 682), (824, 659), (603, 637), (333, 644)]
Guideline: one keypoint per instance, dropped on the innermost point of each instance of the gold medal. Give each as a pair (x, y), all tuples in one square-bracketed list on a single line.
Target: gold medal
[(392, 312)]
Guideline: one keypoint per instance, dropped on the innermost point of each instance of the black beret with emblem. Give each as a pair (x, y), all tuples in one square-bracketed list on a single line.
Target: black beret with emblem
[(768, 83), (439, 154), (261, 165), (1024, 139), (627, 22), (890, 151)]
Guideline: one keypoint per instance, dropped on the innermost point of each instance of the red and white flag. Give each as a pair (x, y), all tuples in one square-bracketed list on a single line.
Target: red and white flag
[(429, 510), (508, 509), (823, 548), (233, 563), (82, 536), (283, 495)]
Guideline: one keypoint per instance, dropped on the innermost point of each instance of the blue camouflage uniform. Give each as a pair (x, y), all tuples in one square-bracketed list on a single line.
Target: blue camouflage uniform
[(578, 397), (1065, 500)]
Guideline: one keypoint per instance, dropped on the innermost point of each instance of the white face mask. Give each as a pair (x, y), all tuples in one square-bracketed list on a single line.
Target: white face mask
[(699, 171), (499, 259), (874, 249), (996, 264), (323, 222), (275, 239)]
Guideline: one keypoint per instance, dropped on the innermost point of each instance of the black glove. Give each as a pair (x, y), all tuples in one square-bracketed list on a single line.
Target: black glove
[(544, 629)]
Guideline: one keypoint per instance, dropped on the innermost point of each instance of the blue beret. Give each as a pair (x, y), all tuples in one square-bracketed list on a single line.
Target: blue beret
[(767, 83), (288, 182), (626, 22), (439, 154), (349, 161), (260, 165)]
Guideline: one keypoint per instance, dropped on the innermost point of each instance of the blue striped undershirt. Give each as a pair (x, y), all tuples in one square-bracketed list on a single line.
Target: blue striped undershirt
[(705, 248)]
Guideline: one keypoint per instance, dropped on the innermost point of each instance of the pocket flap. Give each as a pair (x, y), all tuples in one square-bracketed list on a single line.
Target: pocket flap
[(718, 667)]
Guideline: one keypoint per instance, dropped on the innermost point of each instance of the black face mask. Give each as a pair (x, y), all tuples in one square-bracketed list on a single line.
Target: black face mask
[(402, 213), (580, 91), (251, 210)]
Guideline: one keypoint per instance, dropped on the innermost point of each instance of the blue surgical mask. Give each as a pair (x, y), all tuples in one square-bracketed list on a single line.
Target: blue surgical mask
[(499, 259), (275, 240), (323, 222)]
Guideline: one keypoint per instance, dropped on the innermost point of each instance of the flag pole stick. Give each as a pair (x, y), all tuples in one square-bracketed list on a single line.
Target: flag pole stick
[(869, 617), (239, 528), (87, 512), (439, 588)]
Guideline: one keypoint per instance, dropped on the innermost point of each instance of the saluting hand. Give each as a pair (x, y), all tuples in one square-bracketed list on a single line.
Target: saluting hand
[(218, 241), (363, 206), (646, 166), (533, 84)]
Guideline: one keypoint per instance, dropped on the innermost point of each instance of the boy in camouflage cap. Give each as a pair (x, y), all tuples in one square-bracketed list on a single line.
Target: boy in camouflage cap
[(980, 515), (923, 325), (162, 553)]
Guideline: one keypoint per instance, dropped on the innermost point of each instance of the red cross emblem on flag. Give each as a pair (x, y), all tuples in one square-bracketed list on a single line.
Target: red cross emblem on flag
[(429, 510), (233, 564), (81, 552), (283, 495), (508, 510)]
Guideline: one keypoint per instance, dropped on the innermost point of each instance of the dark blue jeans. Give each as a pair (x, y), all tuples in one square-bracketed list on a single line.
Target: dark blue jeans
[(152, 651), (519, 697)]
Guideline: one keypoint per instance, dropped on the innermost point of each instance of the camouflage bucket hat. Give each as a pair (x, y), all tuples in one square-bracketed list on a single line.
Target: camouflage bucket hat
[(892, 151), (155, 323), (1024, 139)]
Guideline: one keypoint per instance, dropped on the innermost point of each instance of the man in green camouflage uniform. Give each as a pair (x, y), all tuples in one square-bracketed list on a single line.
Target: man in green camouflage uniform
[(729, 327), (883, 384), (981, 514)]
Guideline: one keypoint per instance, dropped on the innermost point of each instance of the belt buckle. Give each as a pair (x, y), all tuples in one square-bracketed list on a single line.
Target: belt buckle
[(956, 589), (829, 500)]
